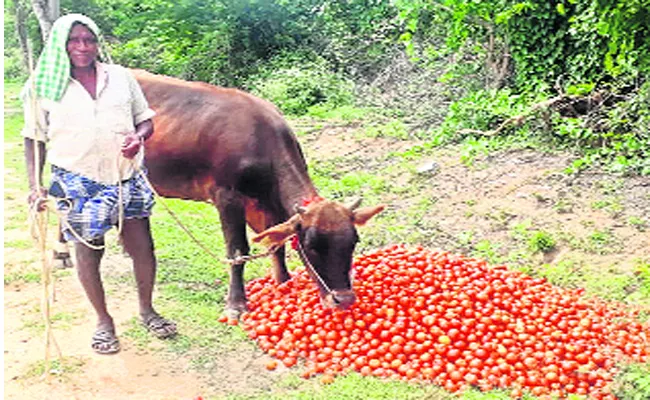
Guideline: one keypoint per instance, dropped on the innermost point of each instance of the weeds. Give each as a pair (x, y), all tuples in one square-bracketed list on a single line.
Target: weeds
[(488, 251), (60, 368), (564, 273), (541, 241), (536, 240), (601, 242), (563, 206), (394, 129), (22, 276), (638, 223), (633, 382), (642, 272), (612, 205)]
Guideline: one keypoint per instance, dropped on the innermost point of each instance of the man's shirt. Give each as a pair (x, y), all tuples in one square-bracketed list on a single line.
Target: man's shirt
[(85, 135)]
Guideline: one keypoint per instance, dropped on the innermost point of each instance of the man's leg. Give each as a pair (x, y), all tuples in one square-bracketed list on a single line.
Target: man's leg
[(61, 252), (88, 261), (137, 240)]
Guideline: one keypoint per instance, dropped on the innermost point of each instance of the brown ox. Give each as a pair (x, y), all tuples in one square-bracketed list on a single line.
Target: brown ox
[(236, 151)]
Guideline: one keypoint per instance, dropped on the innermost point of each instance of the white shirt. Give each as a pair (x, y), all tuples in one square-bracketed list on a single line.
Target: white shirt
[(85, 135)]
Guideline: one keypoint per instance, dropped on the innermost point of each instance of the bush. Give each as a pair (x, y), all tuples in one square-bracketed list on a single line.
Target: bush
[(137, 53), (633, 382), (295, 87), (615, 137), (14, 69), (483, 110), (541, 242)]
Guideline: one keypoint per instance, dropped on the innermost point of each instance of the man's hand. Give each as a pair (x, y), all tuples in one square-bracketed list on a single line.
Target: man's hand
[(131, 145), (37, 197)]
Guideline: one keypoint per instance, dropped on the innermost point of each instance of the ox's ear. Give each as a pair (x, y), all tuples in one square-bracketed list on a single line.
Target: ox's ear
[(362, 215), (278, 234)]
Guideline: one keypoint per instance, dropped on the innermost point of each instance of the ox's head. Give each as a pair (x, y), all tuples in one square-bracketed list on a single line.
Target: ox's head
[(327, 233)]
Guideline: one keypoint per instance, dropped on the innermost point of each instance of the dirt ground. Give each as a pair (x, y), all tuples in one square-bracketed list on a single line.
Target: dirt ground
[(494, 193), (487, 199)]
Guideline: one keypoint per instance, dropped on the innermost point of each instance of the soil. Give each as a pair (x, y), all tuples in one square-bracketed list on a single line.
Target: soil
[(487, 199)]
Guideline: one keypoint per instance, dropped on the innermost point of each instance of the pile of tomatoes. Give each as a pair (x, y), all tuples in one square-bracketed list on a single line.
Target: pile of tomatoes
[(427, 315)]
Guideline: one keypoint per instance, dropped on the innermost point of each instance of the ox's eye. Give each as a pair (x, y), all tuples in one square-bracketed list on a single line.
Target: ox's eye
[(320, 245), (316, 242)]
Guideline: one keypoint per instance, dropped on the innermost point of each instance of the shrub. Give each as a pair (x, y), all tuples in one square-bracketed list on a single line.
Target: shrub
[(541, 241), (295, 87), (13, 67), (633, 382)]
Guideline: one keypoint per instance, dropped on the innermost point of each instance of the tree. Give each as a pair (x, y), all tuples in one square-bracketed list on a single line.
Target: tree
[(21, 13), (46, 11)]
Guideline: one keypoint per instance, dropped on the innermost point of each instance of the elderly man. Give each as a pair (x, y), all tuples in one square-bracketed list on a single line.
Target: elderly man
[(95, 119)]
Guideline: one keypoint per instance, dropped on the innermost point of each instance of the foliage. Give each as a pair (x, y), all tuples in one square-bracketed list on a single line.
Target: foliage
[(392, 129), (541, 241), (633, 382), (13, 65), (297, 89), (642, 272), (574, 41), (352, 386), (618, 138), (357, 36), (483, 110)]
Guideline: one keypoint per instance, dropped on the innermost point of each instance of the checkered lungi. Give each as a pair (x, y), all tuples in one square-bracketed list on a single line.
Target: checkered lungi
[(91, 207)]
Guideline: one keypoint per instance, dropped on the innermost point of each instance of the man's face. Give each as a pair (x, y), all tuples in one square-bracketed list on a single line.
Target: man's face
[(82, 47)]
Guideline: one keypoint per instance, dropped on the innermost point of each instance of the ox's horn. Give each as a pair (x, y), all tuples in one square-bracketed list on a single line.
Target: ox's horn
[(299, 209), (353, 205)]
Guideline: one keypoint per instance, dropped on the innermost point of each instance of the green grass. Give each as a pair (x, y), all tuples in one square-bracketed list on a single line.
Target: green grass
[(611, 205), (633, 382), (13, 123), (348, 387), (487, 250), (642, 273), (335, 184), (566, 273), (600, 242), (60, 321), (22, 276), (640, 224), (394, 129), (11, 95), (60, 368), (541, 241), (343, 113), (20, 244), (492, 395)]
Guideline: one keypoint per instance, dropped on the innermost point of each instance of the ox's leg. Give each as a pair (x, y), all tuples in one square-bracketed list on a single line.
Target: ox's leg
[(280, 272), (233, 224), (61, 252)]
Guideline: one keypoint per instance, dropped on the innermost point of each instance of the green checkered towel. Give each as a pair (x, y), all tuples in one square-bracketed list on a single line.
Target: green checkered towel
[(53, 69)]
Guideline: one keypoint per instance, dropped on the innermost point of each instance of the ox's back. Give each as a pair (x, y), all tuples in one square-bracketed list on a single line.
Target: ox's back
[(206, 137)]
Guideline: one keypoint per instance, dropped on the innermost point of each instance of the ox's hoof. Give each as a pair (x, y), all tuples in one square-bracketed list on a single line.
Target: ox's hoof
[(62, 260), (235, 311)]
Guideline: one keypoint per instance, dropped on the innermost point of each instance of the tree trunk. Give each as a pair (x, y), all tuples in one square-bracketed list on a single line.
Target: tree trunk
[(43, 14), (21, 29), (55, 9)]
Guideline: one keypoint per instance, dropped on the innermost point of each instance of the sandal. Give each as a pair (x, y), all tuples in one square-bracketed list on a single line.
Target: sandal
[(159, 326), (104, 341)]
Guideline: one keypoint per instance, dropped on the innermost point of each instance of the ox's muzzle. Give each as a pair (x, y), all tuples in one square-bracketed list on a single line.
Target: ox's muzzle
[(341, 299)]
